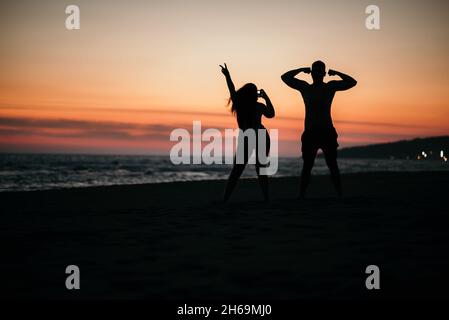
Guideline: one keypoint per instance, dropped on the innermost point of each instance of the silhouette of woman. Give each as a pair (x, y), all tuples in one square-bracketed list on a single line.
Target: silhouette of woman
[(248, 112)]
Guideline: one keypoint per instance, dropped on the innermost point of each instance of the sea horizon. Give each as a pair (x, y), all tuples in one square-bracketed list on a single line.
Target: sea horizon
[(30, 172)]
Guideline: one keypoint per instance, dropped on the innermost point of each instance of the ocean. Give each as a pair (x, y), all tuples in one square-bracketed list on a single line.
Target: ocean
[(27, 172)]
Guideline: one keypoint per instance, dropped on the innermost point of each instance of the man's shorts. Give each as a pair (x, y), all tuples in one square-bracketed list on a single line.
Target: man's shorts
[(324, 139)]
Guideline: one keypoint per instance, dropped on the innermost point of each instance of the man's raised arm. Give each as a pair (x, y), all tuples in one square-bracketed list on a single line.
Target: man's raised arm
[(346, 82), (290, 79)]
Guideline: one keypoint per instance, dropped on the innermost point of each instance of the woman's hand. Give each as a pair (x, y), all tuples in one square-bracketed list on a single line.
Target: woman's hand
[(231, 87), (224, 70), (268, 109)]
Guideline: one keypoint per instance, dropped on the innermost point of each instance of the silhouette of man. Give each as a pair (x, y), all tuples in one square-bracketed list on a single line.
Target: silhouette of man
[(319, 131)]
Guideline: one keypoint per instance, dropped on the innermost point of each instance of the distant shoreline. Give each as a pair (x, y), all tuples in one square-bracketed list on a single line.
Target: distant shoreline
[(399, 173), (381, 150)]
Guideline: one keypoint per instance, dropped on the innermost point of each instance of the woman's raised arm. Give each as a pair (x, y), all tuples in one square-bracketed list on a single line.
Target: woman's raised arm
[(231, 87)]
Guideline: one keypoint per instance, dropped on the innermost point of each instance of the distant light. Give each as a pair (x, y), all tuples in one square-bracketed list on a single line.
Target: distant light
[(441, 154), (424, 154), (445, 159)]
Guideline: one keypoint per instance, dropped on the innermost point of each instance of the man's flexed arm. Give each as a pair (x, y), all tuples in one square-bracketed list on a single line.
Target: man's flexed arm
[(346, 82), (290, 79)]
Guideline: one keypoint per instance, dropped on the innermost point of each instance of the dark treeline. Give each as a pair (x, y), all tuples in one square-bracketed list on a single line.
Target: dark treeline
[(400, 150)]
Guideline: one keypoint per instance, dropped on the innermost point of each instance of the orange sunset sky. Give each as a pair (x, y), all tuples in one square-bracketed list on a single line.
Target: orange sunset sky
[(137, 69)]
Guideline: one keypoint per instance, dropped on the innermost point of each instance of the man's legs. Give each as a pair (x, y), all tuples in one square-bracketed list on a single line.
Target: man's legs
[(308, 157), (331, 161)]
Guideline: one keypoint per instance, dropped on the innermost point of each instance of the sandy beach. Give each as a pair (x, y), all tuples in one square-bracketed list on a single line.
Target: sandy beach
[(176, 241)]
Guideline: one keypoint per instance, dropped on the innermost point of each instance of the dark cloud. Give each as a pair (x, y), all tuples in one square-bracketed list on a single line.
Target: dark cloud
[(67, 128), (83, 128), (225, 112)]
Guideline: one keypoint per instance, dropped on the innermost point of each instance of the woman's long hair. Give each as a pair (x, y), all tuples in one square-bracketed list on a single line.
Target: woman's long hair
[(243, 104)]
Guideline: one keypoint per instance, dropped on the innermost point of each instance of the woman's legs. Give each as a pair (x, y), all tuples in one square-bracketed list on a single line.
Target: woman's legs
[(263, 179), (237, 170), (263, 182), (234, 176)]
